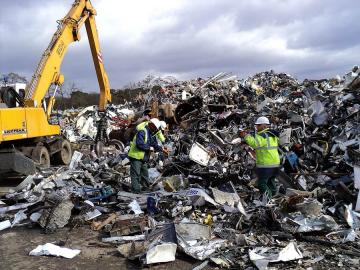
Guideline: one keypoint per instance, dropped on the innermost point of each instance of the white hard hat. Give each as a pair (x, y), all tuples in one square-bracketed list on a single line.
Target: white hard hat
[(162, 124), (156, 122), (262, 120)]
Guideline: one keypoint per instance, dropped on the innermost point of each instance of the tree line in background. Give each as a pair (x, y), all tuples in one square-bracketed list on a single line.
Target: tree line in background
[(74, 97)]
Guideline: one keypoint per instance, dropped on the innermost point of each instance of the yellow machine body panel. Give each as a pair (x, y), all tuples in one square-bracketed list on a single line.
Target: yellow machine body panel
[(23, 123), (13, 124), (38, 125)]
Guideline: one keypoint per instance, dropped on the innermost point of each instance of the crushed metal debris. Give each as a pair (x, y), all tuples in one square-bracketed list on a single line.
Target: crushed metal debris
[(202, 199)]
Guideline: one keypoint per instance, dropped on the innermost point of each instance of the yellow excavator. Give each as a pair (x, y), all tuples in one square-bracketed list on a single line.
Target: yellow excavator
[(27, 137)]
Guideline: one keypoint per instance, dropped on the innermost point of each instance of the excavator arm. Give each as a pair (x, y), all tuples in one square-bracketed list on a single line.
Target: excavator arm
[(48, 70)]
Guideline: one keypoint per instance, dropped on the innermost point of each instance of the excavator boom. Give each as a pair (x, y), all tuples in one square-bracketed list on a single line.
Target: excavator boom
[(48, 70)]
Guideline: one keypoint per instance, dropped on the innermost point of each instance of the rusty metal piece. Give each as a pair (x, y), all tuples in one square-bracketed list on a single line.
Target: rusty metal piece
[(98, 225), (127, 225)]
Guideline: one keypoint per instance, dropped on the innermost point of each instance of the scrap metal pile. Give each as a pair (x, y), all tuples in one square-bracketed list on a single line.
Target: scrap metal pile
[(80, 126), (202, 200)]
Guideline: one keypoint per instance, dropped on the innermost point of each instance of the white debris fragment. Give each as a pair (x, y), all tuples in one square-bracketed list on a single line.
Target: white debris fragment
[(199, 154), (92, 214), (19, 216), (351, 217), (161, 253), (75, 160), (357, 208), (262, 256), (121, 239), (357, 185), (199, 196), (34, 217), (53, 250), (135, 207), (5, 224), (201, 250)]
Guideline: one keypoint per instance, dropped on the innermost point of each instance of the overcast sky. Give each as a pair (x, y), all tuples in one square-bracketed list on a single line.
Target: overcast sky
[(188, 38)]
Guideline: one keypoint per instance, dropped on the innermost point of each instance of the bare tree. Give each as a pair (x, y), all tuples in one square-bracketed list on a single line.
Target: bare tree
[(12, 78)]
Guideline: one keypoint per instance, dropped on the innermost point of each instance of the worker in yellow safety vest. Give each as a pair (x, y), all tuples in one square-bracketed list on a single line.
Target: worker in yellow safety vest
[(159, 135), (265, 142), (141, 145)]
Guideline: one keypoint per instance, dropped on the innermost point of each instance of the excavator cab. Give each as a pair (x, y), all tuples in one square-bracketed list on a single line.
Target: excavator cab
[(12, 95)]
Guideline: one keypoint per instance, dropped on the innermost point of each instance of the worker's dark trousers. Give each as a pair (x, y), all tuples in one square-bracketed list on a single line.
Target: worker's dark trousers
[(138, 173), (266, 180)]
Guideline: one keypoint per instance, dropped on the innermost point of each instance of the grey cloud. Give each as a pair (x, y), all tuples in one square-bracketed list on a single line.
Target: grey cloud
[(323, 32), (333, 31)]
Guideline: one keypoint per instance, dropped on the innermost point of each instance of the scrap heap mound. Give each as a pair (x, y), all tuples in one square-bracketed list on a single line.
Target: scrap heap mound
[(202, 200)]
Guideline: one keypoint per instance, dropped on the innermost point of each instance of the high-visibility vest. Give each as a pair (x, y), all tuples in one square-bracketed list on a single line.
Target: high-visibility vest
[(266, 146), (159, 135), (141, 125), (135, 152)]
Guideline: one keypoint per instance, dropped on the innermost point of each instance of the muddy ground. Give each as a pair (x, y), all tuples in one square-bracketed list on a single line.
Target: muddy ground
[(16, 243)]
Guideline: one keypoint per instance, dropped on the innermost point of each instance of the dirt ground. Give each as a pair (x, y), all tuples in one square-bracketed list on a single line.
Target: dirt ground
[(16, 243)]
